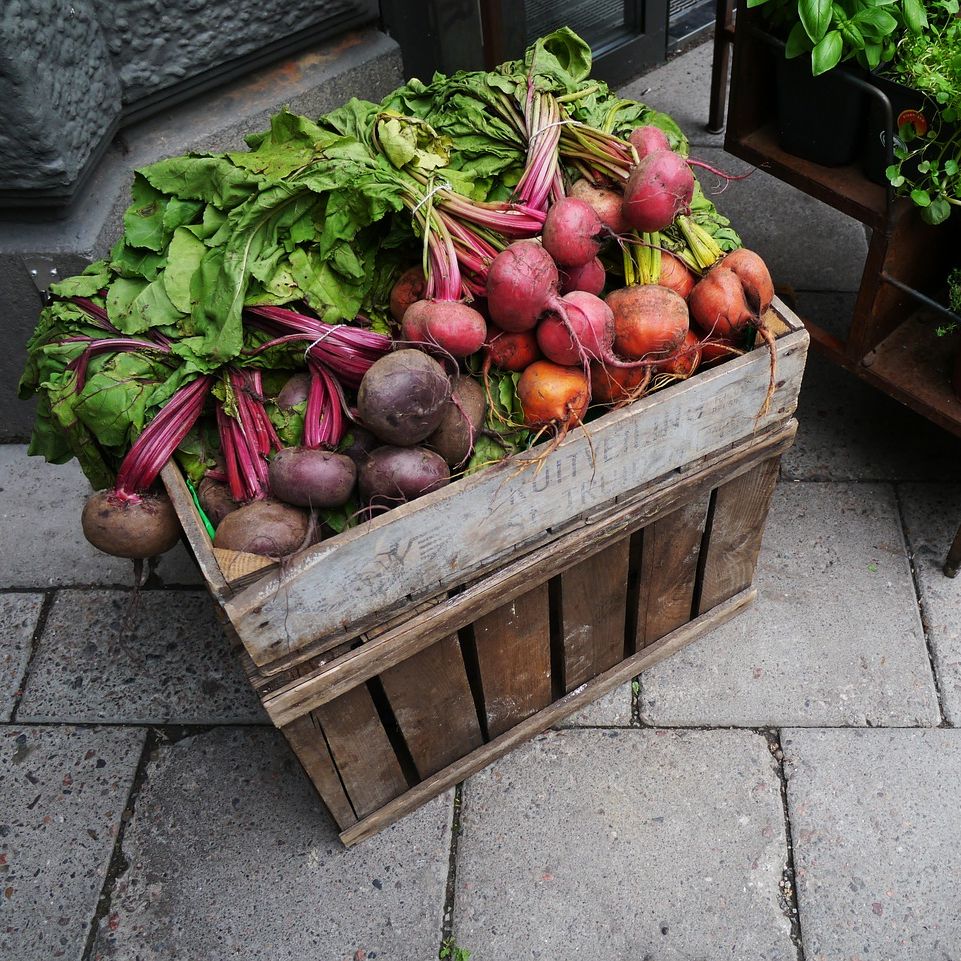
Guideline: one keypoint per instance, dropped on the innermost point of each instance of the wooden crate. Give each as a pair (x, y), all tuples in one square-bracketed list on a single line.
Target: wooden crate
[(401, 656)]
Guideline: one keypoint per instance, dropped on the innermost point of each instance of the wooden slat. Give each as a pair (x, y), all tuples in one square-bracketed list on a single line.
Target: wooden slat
[(344, 585), (513, 646), (593, 608), (734, 540), (669, 556), (194, 529), (331, 680), (432, 702), (368, 766), (557, 711), (239, 566), (307, 740)]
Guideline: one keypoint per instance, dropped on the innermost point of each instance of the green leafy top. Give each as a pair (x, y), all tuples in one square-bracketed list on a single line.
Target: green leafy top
[(835, 30)]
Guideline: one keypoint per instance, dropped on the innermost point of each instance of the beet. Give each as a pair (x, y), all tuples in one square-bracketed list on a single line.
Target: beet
[(718, 304), (463, 420), (754, 276), (659, 188), (402, 396), (650, 321), (521, 281), (592, 323), (393, 475), (511, 351), (606, 204), (618, 385), (312, 478), (267, 527), (685, 359), (124, 526), (294, 392), (675, 275), (358, 443), (589, 277), (410, 287), (553, 395), (215, 500), (647, 139), (572, 232)]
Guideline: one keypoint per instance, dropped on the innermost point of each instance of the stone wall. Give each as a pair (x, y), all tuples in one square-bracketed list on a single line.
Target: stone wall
[(71, 69)]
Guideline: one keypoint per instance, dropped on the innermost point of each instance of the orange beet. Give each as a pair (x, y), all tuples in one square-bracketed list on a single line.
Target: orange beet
[(551, 394)]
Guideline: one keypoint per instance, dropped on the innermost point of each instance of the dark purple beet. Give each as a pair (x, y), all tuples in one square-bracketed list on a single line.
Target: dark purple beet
[(312, 478), (392, 475)]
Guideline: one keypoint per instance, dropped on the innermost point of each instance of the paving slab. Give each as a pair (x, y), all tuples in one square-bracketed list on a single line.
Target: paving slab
[(41, 542), (231, 854), (611, 710), (932, 514), (168, 662), (624, 845), (835, 637), (876, 829), (778, 221), (681, 88), (62, 796), (18, 620)]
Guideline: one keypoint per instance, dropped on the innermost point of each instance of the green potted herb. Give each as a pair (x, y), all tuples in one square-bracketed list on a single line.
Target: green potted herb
[(821, 113), (927, 151)]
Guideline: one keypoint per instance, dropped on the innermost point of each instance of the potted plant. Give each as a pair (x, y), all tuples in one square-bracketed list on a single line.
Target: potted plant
[(820, 111), (927, 150)]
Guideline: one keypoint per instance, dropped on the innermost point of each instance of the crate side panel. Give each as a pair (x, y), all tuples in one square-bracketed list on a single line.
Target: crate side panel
[(593, 599), (432, 702), (306, 738), (442, 539), (734, 539), (365, 758), (670, 551), (513, 659)]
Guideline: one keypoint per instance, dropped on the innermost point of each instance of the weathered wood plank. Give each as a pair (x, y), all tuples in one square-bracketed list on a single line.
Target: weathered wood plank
[(544, 719), (330, 680), (307, 741), (734, 540), (432, 702), (513, 645), (593, 609), (440, 540), (238, 566), (194, 529), (368, 766), (669, 571)]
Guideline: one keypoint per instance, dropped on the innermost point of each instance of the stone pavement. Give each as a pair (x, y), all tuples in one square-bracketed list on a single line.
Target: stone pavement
[(784, 789)]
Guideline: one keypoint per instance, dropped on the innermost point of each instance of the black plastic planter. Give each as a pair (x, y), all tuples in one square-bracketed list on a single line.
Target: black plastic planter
[(819, 118), (907, 107)]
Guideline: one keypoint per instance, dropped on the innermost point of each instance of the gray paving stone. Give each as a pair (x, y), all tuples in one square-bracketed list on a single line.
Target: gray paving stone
[(62, 794), (623, 845), (876, 827), (851, 431), (611, 710), (174, 666), (41, 542), (932, 514), (681, 88), (18, 620), (806, 244), (231, 855), (834, 638)]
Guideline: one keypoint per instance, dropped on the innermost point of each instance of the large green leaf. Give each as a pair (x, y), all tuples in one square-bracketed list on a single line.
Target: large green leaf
[(816, 17)]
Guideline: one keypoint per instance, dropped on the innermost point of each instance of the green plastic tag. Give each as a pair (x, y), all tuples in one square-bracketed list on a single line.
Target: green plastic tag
[(200, 510)]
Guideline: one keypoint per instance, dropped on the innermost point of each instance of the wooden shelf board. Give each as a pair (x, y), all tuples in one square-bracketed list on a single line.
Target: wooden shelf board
[(913, 364), (844, 188)]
